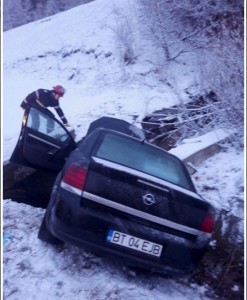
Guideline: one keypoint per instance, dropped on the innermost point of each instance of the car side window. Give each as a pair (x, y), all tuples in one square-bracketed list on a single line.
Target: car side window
[(44, 124)]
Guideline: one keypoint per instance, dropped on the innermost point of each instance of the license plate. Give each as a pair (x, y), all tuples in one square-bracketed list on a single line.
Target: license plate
[(134, 243)]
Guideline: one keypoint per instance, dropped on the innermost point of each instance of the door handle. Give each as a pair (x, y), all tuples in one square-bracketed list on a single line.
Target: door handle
[(52, 152)]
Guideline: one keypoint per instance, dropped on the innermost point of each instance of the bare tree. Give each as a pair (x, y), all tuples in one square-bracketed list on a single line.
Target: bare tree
[(197, 23), (124, 32), (157, 25), (213, 32)]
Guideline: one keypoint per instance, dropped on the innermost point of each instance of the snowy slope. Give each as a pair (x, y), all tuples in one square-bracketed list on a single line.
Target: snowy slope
[(79, 50)]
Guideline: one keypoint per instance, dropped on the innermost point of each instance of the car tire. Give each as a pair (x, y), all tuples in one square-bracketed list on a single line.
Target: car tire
[(46, 236)]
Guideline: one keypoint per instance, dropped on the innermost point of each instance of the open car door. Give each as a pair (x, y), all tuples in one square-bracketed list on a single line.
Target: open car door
[(44, 143)]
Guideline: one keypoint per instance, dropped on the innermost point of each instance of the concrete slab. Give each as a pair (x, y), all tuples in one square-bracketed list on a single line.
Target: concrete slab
[(195, 150)]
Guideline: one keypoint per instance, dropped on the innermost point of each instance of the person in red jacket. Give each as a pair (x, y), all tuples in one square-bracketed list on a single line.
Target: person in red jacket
[(43, 98)]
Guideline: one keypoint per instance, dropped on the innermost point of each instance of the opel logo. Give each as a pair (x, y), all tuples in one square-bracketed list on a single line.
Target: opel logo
[(148, 199)]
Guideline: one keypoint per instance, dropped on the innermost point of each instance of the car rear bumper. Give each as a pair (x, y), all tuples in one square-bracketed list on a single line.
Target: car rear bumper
[(119, 257), (88, 228)]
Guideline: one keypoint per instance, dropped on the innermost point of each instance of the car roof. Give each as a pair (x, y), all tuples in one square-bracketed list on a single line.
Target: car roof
[(117, 125)]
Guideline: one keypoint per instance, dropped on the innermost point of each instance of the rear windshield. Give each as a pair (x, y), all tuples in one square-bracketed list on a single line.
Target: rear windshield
[(144, 158)]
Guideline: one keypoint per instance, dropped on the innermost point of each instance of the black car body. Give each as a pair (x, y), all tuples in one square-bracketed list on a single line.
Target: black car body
[(118, 195)]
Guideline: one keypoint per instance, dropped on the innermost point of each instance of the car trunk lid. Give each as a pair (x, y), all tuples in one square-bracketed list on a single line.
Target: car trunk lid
[(144, 198)]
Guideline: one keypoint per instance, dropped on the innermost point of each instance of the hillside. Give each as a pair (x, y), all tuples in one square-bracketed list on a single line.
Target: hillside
[(109, 67)]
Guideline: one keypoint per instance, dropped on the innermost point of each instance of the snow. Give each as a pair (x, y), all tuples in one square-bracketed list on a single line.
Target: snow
[(78, 50), (190, 146)]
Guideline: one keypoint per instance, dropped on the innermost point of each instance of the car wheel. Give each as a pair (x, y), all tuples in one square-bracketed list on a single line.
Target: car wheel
[(46, 236)]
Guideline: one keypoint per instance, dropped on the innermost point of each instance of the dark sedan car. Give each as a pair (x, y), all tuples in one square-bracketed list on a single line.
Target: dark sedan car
[(117, 195)]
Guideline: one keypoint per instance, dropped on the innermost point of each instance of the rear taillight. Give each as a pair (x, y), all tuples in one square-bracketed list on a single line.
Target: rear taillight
[(208, 223), (74, 179)]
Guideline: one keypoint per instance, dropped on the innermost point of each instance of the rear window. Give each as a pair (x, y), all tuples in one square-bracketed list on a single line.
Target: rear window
[(144, 158)]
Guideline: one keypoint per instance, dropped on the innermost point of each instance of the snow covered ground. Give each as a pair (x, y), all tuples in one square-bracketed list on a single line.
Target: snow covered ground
[(78, 50), (35, 270)]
